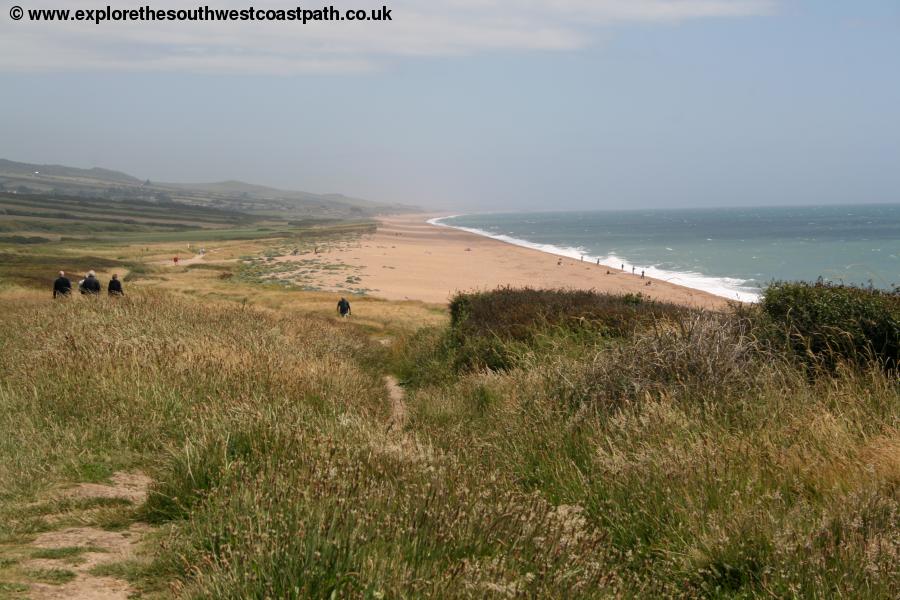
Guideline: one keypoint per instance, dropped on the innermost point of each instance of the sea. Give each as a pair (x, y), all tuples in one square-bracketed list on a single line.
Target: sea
[(730, 252)]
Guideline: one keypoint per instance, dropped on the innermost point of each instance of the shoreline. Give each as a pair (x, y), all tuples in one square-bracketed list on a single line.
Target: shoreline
[(408, 258), (716, 286)]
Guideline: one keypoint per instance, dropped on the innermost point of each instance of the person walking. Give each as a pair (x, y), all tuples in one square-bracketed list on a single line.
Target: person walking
[(343, 307), (61, 285), (115, 286), (642, 273), (90, 285)]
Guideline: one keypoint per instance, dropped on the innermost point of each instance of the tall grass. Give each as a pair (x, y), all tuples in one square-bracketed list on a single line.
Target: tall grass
[(118, 381), (680, 455), (707, 459)]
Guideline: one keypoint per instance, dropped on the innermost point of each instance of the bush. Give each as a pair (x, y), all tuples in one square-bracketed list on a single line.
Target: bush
[(517, 314), (829, 323), (703, 356), (490, 330)]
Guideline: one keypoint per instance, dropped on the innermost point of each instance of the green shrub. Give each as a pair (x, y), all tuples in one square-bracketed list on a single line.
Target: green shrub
[(492, 330), (828, 323), (518, 314)]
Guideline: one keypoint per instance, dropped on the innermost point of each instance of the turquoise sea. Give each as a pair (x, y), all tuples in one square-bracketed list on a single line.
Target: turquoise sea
[(732, 252)]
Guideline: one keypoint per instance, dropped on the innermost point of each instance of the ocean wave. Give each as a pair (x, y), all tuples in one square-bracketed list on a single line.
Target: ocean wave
[(726, 287)]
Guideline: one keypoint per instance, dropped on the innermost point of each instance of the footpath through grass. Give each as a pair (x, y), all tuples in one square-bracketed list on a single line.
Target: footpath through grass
[(640, 450)]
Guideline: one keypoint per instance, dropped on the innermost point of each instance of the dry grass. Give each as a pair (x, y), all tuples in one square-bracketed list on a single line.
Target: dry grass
[(686, 460)]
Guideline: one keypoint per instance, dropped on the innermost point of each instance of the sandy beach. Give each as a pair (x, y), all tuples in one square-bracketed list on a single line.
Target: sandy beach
[(409, 259)]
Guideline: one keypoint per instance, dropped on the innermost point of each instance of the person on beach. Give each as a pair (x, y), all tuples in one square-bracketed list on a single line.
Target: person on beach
[(623, 267), (642, 273), (175, 259), (598, 262), (115, 286), (632, 270), (343, 307), (61, 285), (90, 285)]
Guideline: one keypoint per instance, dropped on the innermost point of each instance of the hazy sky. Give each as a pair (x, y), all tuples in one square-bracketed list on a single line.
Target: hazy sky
[(496, 104)]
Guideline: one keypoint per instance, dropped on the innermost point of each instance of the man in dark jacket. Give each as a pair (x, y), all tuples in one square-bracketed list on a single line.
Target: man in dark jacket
[(62, 286), (90, 285), (343, 307), (115, 286)]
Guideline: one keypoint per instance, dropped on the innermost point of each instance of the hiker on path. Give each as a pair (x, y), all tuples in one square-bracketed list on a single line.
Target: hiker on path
[(343, 307), (90, 284), (115, 286), (62, 286)]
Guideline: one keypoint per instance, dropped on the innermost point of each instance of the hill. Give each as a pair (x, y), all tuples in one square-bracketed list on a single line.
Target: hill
[(35, 171), (30, 178)]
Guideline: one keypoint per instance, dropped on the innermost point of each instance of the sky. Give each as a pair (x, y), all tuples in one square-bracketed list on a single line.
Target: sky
[(477, 105)]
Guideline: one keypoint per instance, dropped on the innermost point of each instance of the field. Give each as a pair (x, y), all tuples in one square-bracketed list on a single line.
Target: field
[(215, 434)]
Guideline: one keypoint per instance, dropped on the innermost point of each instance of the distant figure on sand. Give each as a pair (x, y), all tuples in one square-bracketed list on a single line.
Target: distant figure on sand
[(343, 307), (62, 286), (175, 260), (598, 262), (623, 267), (632, 270), (642, 274), (115, 286), (90, 284)]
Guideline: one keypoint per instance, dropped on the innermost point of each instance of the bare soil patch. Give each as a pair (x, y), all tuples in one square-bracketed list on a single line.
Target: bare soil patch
[(79, 550)]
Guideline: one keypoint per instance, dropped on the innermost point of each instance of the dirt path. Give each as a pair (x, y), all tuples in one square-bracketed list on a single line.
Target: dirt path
[(75, 553), (398, 401)]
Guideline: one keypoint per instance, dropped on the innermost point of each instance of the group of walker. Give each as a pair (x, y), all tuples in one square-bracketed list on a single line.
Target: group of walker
[(89, 286), (559, 263)]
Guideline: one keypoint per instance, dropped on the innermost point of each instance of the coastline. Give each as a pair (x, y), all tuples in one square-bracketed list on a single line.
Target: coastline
[(723, 287), (408, 258)]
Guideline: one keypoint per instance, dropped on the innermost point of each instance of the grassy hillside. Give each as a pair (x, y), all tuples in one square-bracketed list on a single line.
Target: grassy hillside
[(57, 180), (621, 449), (9, 167), (43, 233)]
